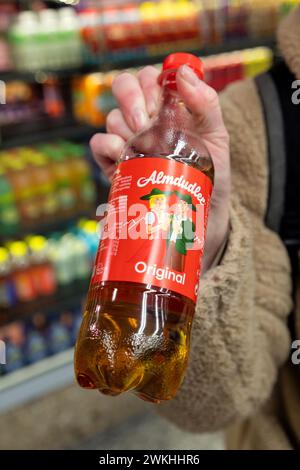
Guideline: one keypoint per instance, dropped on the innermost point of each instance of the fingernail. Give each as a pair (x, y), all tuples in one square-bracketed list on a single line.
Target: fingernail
[(188, 75), (152, 107), (139, 118)]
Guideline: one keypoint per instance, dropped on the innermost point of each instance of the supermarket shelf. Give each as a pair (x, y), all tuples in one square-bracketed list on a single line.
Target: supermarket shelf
[(32, 382), (66, 298), (115, 61), (228, 46), (44, 228), (40, 76), (45, 130)]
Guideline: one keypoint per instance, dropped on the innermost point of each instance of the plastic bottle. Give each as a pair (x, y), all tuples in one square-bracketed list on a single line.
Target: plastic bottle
[(22, 272), (98, 97), (59, 336), (62, 257), (135, 333), (74, 255), (81, 259), (89, 233), (148, 13), (36, 346), (53, 99), (15, 340), (50, 40), (42, 269), (20, 178), (23, 36), (63, 179), (7, 289), (5, 55), (9, 217), (44, 184), (71, 49), (81, 175)]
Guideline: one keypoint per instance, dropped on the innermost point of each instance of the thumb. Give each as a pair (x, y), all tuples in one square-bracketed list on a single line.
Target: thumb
[(200, 99)]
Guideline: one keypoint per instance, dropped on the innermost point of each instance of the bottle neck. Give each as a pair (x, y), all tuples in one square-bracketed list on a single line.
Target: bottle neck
[(172, 106)]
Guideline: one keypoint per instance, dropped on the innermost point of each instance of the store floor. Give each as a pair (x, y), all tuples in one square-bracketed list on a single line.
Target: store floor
[(73, 418), (149, 431)]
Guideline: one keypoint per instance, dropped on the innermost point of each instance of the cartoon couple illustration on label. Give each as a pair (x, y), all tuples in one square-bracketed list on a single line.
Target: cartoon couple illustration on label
[(171, 224)]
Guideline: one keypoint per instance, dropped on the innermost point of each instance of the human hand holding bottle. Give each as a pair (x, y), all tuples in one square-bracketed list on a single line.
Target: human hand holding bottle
[(138, 99), (135, 333)]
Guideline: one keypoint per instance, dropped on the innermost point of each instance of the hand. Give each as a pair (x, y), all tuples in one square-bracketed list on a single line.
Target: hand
[(138, 100)]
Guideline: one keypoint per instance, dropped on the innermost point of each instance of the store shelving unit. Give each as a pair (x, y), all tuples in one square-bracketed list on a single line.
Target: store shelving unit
[(66, 298), (108, 62), (44, 228), (47, 129), (34, 381)]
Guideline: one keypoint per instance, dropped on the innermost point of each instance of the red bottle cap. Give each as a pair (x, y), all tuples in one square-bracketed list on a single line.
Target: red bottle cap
[(173, 61)]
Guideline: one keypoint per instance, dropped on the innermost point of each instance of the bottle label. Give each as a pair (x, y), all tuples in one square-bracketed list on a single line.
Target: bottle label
[(24, 286), (154, 227)]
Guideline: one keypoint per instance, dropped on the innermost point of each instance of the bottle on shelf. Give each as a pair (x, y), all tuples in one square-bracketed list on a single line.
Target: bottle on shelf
[(81, 176), (82, 267), (72, 260), (15, 341), (44, 183), (59, 336), (135, 333), (7, 286), (53, 100), (21, 180), (22, 272), (62, 173), (88, 231), (42, 269), (62, 257), (50, 42), (23, 37), (70, 41), (36, 345), (9, 216)]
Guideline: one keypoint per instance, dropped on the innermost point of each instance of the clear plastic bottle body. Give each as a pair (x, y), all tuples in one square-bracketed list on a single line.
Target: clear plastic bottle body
[(136, 336)]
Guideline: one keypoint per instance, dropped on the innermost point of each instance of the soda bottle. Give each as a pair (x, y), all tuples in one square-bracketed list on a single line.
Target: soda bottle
[(22, 272), (9, 216), (44, 184), (7, 288), (42, 269), (135, 333), (62, 173), (20, 179), (81, 175)]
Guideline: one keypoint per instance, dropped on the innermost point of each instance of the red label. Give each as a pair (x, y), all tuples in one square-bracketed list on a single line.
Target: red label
[(155, 226)]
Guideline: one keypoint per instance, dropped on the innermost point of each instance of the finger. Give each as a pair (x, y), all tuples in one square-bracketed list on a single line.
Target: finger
[(200, 99), (116, 124), (147, 78), (130, 97), (106, 149)]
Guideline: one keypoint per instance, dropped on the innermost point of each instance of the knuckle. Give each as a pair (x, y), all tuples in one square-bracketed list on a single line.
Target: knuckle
[(147, 71), (121, 79), (212, 96), (94, 146), (112, 118), (93, 143)]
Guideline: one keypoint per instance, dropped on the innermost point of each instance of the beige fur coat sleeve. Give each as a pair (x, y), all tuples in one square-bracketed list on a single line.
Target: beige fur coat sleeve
[(239, 337)]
